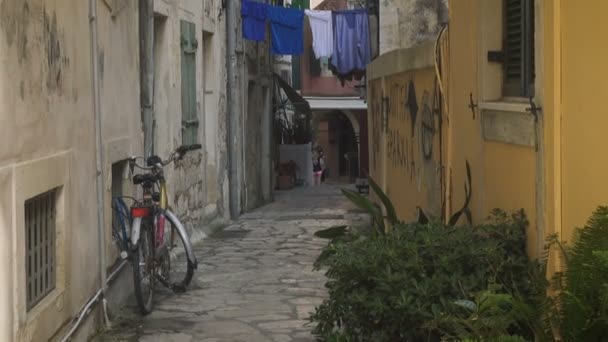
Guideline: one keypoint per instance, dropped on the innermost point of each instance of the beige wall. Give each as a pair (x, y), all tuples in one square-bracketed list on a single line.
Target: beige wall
[(47, 138), (405, 23), (255, 66), (48, 141), (195, 185)]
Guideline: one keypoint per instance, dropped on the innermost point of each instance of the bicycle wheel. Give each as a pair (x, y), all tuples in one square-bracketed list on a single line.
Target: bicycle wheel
[(143, 268), (181, 269)]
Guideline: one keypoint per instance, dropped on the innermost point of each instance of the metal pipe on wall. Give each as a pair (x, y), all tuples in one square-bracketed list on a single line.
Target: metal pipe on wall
[(95, 80), (86, 309), (232, 107), (146, 60)]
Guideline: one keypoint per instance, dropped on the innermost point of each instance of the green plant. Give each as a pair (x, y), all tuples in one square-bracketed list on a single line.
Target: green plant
[(490, 316), (404, 284), (381, 222), (579, 312)]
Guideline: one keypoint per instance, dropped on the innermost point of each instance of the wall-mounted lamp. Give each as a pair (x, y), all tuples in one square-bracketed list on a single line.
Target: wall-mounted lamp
[(385, 108)]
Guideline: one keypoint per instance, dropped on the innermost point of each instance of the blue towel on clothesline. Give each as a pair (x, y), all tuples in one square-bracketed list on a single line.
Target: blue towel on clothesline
[(286, 26), (254, 16)]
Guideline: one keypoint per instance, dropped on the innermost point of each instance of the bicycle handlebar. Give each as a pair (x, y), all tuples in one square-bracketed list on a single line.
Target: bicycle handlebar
[(156, 162)]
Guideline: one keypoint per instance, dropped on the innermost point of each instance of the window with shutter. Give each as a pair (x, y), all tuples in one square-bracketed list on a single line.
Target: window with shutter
[(189, 46), (519, 48)]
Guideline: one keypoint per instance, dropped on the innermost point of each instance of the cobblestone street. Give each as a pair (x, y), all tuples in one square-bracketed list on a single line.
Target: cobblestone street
[(255, 280)]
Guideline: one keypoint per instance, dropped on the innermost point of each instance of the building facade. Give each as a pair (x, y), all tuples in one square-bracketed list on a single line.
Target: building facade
[(50, 250), (339, 111), (51, 255), (517, 83)]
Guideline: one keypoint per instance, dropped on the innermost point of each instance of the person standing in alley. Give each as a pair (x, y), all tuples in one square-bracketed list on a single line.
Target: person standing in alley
[(317, 168), (324, 169)]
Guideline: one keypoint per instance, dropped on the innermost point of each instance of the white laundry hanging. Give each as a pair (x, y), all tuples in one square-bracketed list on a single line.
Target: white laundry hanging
[(322, 32)]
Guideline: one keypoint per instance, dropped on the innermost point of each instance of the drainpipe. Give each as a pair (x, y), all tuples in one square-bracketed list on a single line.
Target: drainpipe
[(98, 153), (233, 109), (146, 60)]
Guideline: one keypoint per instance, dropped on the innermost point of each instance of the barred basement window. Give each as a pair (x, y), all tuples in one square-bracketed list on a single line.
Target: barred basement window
[(519, 48), (40, 217)]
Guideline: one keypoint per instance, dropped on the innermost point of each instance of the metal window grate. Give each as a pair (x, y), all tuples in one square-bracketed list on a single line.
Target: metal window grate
[(40, 218)]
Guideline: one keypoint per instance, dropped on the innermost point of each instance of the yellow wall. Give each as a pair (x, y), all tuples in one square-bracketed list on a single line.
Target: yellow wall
[(464, 136), (555, 174), (510, 183), (584, 126), (405, 157), (412, 174), (505, 173)]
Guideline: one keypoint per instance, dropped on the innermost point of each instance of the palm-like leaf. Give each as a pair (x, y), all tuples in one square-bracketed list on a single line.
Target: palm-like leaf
[(391, 213)]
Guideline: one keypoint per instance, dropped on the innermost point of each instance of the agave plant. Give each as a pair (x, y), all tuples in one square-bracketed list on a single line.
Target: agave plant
[(382, 219)]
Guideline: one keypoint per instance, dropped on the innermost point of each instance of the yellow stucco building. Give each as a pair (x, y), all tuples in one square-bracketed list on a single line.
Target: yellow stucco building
[(514, 89)]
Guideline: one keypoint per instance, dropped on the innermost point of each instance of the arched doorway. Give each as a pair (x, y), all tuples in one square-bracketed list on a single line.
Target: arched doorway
[(337, 133)]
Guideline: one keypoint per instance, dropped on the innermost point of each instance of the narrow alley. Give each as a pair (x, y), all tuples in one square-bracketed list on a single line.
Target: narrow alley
[(255, 280)]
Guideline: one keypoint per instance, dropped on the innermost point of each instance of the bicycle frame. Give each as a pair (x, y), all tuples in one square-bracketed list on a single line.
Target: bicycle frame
[(150, 210), (136, 229)]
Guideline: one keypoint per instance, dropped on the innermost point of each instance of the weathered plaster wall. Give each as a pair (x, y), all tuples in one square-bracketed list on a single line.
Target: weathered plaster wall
[(48, 141), (255, 124), (405, 23), (196, 184)]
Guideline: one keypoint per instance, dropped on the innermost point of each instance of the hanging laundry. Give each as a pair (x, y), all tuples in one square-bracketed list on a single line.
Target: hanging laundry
[(351, 44), (254, 16), (322, 32), (286, 26)]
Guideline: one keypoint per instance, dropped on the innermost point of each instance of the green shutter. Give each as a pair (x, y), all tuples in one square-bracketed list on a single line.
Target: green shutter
[(295, 72), (519, 48), (189, 46)]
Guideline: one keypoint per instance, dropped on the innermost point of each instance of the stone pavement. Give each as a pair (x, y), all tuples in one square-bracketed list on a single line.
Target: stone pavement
[(255, 280)]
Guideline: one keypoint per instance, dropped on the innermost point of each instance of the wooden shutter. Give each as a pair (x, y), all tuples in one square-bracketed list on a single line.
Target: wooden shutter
[(189, 46), (314, 63), (519, 47), (295, 72)]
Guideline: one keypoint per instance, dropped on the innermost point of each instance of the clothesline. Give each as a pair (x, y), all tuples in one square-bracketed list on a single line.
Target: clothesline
[(341, 36)]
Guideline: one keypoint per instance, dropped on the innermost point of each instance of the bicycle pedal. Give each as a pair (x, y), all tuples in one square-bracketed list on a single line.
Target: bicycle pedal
[(179, 288), (124, 255)]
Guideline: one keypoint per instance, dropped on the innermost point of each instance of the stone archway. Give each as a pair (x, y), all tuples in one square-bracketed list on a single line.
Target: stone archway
[(337, 132)]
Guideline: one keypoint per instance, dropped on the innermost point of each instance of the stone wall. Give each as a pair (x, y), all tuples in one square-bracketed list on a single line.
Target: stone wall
[(254, 75), (405, 23), (196, 184)]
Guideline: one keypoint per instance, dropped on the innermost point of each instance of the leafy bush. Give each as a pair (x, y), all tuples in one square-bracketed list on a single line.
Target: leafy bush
[(406, 284), (580, 310), (429, 282)]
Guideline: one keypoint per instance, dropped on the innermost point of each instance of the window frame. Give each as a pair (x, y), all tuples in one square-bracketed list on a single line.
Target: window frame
[(40, 245)]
